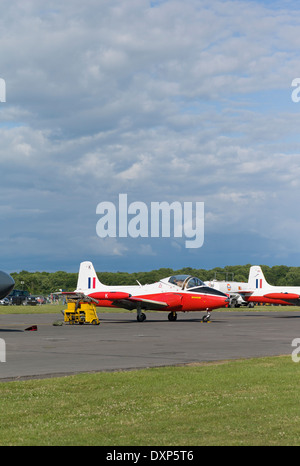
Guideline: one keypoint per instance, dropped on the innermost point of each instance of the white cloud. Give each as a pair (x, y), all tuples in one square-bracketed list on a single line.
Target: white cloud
[(184, 101)]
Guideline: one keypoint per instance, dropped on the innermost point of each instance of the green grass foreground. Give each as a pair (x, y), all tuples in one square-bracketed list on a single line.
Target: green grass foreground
[(244, 402)]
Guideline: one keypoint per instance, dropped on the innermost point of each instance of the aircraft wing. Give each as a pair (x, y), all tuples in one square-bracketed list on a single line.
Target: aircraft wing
[(164, 300), (132, 303)]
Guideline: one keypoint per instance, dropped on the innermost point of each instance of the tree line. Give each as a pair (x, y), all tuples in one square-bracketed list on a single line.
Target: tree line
[(45, 283)]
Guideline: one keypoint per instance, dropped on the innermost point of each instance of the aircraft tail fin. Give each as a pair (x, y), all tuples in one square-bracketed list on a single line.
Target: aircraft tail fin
[(256, 278), (87, 278)]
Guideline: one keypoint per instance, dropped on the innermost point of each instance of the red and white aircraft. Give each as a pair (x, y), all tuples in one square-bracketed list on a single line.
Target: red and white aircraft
[(258, 290), (179, 293)]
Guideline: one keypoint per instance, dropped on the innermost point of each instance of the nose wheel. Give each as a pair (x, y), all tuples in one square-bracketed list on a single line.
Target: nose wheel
[(206, 318), (172, 316)]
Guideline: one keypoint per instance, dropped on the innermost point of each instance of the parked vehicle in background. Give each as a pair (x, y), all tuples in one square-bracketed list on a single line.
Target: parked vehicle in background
[(16, 297), (30, 301), (4, 302)]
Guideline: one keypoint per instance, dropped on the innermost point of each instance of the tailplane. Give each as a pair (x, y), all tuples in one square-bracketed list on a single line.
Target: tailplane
[(87, 278), (256, 278)]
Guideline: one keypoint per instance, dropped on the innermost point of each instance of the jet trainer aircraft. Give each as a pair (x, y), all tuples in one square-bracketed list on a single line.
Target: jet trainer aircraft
[(234, 290), (179, 293), (6, 284), (259, 290)]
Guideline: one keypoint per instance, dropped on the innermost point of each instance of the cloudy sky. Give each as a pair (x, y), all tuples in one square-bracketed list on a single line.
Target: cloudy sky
[(163, 100)]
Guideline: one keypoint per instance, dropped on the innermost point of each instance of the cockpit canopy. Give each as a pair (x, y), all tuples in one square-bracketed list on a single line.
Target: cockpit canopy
[(185, 281)]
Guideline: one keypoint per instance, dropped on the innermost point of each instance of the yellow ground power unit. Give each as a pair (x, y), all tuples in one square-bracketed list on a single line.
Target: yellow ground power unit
[(80, 312)]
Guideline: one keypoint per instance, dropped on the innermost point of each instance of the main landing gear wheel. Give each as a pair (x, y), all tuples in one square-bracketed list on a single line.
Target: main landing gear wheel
[(141, 317), (172, 316)]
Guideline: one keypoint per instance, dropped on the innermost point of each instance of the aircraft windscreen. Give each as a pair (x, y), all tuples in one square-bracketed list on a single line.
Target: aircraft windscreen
[(185, 281), (178, 279), (192, 282)]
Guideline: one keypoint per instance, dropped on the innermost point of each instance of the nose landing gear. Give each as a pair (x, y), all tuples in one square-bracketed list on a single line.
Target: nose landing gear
[(207, 317)]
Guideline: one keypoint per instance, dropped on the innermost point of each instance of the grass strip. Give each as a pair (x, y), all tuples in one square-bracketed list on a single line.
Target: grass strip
[(244, 402)]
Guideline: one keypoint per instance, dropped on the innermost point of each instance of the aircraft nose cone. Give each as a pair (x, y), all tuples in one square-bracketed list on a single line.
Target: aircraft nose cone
[(6, 284)]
